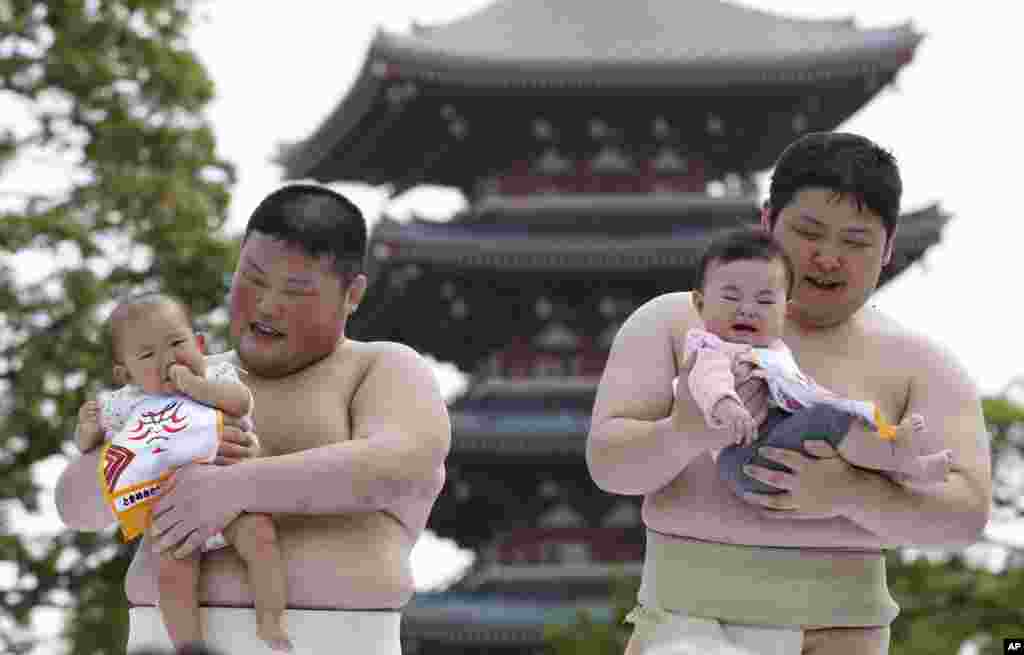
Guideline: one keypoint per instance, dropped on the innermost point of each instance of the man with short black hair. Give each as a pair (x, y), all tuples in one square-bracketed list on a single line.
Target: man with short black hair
[(352, 441)]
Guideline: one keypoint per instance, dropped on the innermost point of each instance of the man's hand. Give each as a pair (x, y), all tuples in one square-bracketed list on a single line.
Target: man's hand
[(736, 419), (191, 509), (238, 443), (89, 433), (821, 486)]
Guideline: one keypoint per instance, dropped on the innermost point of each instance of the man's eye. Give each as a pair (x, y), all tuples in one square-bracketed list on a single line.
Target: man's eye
[(806, 235), (766, 302), (730, 299), (145, 355), (177, 342)]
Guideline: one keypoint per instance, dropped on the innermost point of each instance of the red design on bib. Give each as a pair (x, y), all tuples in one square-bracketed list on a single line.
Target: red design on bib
[(115, 461), (159, 425)]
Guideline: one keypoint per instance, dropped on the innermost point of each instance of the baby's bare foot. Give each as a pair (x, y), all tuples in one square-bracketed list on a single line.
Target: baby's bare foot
[(910, 427), (272, 632), (932, 468), (913, 423)]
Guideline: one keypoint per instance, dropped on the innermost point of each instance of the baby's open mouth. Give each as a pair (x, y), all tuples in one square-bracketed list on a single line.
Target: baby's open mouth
[(264, 330)]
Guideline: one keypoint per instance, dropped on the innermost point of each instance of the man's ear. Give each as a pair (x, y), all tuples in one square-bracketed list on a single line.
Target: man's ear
[(121, 375), (201, 342), (356, 290), (697, 298), (890, 245), (766, 217)]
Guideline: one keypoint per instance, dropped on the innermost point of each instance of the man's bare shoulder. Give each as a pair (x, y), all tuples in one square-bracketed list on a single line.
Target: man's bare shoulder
[(378, 360), (674, 310), (385, 353), (398, 387), (916, 352)]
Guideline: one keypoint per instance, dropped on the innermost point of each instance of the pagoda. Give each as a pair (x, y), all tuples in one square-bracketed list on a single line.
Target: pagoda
[(598, 145)]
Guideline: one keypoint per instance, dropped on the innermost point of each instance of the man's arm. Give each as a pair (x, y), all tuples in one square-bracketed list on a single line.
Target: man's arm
[(641, 437), (953, 513), (79, 500), (401, 437)]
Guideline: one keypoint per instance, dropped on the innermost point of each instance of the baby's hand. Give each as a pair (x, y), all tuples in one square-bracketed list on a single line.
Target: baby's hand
[(89, 432), (737, 420), (181, 377)]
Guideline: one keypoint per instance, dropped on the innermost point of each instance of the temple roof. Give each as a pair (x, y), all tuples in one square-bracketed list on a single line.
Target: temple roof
[(603, 212), (539, 388), (657, 233), (495, 618), (540, 434), (478, 284), (532, 417), (564, 232), (668, 43), (453, 103)]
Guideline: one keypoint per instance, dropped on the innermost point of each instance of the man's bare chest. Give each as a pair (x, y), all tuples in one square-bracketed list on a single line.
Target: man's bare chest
[(859, 373), (290, 418)]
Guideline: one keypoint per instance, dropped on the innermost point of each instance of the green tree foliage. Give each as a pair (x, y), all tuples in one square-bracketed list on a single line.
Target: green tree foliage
[(947, 602), (588, 636), (109, 95), (944, 601)]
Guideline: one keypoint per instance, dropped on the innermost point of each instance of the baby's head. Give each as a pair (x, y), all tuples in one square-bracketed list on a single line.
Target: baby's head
[(148, 333), (743, 282)]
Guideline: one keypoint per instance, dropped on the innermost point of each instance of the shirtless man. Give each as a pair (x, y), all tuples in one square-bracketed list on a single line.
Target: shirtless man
[(352, 440), (720, 570)]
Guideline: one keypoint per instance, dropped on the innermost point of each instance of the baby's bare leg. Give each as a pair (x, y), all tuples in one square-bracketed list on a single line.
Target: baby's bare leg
[(899, 456), (255, 538), (178, 583), (865, 448)]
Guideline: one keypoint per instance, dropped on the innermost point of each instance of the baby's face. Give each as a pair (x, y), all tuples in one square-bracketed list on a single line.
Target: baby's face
[(154, 340), (744, 301)]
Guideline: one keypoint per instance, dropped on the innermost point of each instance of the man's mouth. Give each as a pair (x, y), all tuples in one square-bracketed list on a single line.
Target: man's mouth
[(825, 285), (262, 329)]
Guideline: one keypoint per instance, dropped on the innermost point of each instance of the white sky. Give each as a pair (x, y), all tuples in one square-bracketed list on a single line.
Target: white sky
[(280, 71)]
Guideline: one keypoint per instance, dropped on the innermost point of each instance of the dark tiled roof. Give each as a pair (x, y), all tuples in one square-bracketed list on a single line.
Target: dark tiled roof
[(492, 617), (451, 103), (670, 42)]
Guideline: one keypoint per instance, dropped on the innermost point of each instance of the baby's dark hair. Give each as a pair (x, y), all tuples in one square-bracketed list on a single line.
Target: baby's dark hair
[(129, 307), (848, 164), (318, 220), (743, 244)]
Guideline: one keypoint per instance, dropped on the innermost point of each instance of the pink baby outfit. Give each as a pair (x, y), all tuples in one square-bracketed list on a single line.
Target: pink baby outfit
[(714, 375)]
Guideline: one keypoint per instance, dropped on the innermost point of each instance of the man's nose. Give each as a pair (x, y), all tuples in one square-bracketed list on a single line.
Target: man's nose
[(269, 303), (827, 260)]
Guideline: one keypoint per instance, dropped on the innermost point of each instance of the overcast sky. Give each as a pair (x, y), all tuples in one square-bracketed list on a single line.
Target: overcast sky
[(950, 121)]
